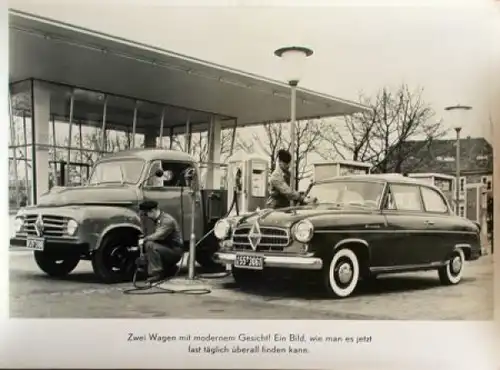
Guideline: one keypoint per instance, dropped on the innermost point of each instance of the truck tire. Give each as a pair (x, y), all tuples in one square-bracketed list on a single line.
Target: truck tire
[(204, 257), (112, 262), (56, 265)]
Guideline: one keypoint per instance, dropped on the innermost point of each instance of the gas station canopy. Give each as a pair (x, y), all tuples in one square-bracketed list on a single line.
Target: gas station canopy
[(52, 51)]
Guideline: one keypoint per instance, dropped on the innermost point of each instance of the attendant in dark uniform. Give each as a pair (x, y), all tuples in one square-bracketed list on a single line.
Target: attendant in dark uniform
[(164, 247), (280, 192)]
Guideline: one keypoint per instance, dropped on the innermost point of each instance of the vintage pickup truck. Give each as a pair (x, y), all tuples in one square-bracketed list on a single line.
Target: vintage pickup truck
[(360, 227), (100, 221)]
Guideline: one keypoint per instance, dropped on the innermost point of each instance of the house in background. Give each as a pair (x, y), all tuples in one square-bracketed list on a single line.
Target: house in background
[(438, 156)]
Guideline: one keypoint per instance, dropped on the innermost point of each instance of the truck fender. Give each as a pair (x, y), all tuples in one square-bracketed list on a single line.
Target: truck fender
[(111, 228)]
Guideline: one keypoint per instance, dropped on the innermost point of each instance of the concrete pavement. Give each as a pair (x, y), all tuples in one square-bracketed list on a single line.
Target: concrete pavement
[(402, 297)]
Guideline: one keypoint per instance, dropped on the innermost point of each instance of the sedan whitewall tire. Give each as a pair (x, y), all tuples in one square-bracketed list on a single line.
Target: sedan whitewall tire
[(341, 276)]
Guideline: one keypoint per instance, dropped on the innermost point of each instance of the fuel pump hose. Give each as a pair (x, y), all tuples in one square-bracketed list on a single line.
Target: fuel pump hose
[(147, 288)]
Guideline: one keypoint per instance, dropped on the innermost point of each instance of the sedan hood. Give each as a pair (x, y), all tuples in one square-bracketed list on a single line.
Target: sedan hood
[(286, 217), (89, 195)]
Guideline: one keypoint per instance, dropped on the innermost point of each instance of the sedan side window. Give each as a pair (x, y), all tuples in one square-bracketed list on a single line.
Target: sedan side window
[(406, 197), (433, 201)]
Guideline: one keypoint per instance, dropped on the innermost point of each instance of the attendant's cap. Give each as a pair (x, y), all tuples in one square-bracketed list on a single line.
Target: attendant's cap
[(284, 156), (148, 205)]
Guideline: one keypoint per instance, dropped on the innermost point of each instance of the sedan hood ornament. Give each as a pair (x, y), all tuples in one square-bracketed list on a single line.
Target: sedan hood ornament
[(255, 236)]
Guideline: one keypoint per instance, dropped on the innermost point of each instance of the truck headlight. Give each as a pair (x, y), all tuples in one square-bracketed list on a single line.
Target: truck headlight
[(303, 231), (221, 229), (18, 224), (71, 227)]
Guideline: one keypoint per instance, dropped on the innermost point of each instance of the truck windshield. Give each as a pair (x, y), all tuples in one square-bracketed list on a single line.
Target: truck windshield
[(362, 193), (123, 171)]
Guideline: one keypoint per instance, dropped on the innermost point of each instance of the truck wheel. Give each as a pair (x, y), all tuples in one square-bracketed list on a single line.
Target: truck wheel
[(113, 262), (452, 273), (341, 273), (246, 278), (204, 257), (56, 265)]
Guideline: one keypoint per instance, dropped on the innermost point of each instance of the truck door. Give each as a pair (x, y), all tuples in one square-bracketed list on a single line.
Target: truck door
[(173, 195)]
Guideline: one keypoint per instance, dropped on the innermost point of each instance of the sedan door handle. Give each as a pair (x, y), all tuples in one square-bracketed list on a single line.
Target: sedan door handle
[(428, 222), (374, 226)]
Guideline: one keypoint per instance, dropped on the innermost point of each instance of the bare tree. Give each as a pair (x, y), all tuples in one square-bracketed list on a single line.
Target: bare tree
[(382, 135), (200, 145), (275, 136), (270, 141), (93, 147)]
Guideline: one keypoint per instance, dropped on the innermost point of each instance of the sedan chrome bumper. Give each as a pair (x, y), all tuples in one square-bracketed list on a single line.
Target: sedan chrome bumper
[(290, 262)]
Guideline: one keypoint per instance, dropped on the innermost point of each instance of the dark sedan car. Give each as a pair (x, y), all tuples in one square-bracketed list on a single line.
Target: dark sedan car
[(361, 226)]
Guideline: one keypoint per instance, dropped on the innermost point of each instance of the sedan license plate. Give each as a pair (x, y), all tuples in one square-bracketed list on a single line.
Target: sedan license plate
[(36, 244), (247, 261)]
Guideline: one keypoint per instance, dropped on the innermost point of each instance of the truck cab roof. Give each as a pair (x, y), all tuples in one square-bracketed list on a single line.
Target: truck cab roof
[(151, 154)]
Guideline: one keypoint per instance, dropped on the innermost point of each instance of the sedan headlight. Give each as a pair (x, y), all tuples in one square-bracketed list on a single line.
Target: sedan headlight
[(18, 224), (71, 227), (303, 231), (221, 229)]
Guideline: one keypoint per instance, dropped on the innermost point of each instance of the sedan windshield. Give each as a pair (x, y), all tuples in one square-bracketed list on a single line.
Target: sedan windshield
[(123, 171), (349, 193)]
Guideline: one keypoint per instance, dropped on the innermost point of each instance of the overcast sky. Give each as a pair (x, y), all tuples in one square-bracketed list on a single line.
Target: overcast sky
[(447, 49)]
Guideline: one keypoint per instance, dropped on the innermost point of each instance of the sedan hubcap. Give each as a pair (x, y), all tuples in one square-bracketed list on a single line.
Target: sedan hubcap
[(456, 264), (345, 273)]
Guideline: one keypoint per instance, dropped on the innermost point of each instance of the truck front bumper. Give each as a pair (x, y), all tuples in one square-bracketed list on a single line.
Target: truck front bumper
[(54, 245), (289, 262)]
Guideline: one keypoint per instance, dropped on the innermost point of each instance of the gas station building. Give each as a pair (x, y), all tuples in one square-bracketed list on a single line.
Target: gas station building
[(76, 94)]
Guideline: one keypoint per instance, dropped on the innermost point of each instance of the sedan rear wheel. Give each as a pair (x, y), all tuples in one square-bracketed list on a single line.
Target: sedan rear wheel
[(452, 273), (341, 275)]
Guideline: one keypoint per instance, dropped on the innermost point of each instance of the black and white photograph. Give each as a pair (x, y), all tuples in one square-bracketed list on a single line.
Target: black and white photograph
[(135, 170), (252, 162)]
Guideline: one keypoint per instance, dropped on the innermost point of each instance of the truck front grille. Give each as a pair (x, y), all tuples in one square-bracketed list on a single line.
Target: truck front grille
[(273, 239), (52, 225)]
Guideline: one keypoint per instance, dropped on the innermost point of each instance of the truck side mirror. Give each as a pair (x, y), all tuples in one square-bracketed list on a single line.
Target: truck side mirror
[(159, 173)]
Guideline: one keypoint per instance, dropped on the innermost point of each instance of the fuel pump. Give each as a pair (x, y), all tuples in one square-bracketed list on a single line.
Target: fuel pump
[(247, 183)]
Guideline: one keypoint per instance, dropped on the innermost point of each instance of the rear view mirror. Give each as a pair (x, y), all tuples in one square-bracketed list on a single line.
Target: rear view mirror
[(159, 173)]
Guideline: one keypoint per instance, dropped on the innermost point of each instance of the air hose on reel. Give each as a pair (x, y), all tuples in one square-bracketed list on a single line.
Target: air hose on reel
[(148, 286)]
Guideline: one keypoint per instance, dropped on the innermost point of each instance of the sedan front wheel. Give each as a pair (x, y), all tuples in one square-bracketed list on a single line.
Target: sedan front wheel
[(341, 275)]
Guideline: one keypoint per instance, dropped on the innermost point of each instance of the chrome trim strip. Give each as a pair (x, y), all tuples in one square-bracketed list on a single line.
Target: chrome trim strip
[(48, 238), (260, 244), (463, 245), (291, 262), (393, 231), (431, 265), (350, 240)]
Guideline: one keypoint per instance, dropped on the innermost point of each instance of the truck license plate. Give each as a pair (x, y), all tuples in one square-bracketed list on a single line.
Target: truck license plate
[(36, 244), (247, 261)]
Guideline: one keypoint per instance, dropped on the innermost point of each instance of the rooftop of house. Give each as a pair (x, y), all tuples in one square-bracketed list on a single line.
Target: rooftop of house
[(476, 156)]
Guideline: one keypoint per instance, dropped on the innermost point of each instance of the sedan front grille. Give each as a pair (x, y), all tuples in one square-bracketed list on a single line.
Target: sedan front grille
[(273, 239), (52, 225)]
